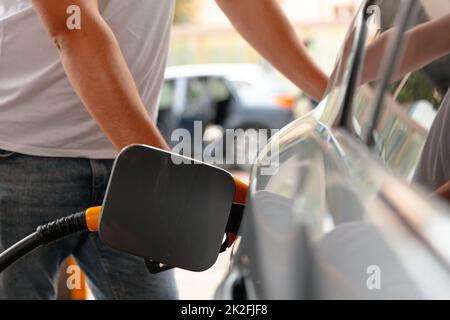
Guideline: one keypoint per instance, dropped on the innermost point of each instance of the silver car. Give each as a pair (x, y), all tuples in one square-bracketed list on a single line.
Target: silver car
[(341, 217)]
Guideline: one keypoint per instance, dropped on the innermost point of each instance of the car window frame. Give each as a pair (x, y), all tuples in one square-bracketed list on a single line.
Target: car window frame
[(390, 59)]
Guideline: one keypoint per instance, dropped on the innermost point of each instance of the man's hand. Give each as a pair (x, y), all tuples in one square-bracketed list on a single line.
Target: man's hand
[(263, 24), (99, 74)]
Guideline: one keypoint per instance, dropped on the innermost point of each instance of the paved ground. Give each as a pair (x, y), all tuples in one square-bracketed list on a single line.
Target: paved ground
[(202, 285)]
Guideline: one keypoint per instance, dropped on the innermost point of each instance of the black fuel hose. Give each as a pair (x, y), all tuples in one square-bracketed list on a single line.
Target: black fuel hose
[(44, 235)]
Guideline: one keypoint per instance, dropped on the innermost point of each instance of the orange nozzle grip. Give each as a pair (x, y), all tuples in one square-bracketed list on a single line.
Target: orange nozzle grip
[(92, 218), (240, 195)]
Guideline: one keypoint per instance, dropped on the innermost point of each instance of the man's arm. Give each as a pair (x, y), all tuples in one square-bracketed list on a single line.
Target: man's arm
[(263, 24), (99, 74), (422, 45)]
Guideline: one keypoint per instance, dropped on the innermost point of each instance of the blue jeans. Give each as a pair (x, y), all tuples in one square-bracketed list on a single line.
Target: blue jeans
[(36, 190)]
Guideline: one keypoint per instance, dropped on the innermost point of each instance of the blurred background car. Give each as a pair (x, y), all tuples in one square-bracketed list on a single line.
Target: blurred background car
[(223, 96)]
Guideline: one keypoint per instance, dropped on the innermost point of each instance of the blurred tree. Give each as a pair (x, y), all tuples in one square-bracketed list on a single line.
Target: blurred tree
[(184, 11), (418, 87)]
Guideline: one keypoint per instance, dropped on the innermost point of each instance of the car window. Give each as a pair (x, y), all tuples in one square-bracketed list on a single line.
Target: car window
[(167, 95), (199, 100), (219, 90), (419, 82), (197, 91)]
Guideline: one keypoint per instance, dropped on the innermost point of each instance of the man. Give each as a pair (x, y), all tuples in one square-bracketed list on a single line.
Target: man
[(70, 98)]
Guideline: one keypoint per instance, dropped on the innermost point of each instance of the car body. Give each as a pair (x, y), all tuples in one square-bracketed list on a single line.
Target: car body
[(222, 96), (340, 218)]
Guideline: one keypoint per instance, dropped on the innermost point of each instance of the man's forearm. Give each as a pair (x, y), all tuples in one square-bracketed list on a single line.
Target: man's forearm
[(107, 89), (100, 76), (263, 24), (421, 45)]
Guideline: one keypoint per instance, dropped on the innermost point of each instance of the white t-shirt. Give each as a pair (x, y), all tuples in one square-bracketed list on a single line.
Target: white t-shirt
[(40, 114), (433, 170)]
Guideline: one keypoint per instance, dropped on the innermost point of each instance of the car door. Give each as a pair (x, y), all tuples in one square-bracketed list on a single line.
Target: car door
[(167, 118), (199, 103)]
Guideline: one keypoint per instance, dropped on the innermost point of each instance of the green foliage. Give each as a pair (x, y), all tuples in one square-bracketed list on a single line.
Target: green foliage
[(418, 87), (184, 11)]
